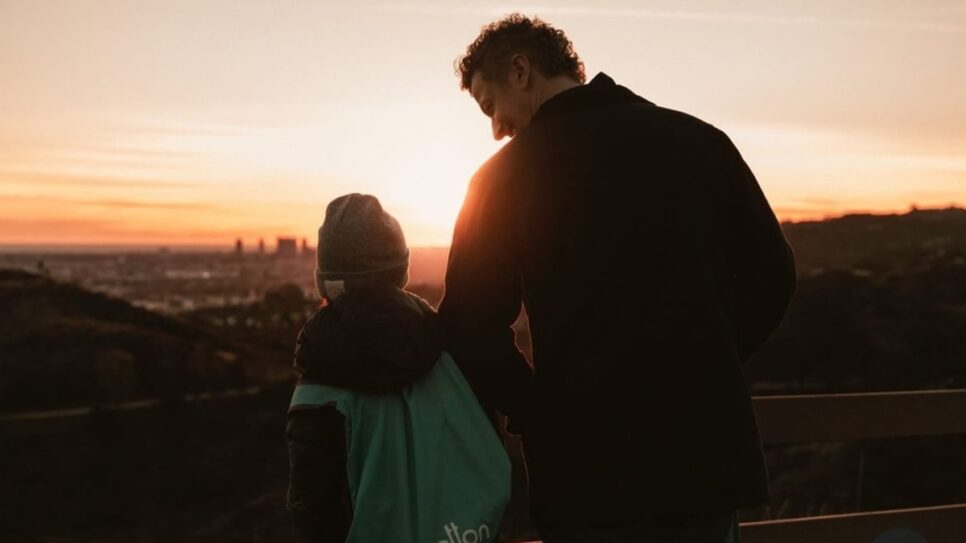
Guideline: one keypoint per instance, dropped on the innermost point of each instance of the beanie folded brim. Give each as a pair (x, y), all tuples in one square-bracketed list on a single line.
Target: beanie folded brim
[(396, 275)]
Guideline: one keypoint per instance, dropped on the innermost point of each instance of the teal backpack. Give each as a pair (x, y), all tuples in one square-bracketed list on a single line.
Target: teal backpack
[(424, 464)]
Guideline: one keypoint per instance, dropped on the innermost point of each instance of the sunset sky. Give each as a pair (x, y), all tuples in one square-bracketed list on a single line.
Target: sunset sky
[(196, 122)]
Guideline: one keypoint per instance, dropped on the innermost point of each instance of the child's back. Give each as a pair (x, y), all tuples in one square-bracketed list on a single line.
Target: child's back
[(386, 439)]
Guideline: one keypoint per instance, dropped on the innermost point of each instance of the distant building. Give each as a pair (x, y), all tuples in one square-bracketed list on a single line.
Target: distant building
[(239, 247), (305, 247), (286, 247), (261, 246)]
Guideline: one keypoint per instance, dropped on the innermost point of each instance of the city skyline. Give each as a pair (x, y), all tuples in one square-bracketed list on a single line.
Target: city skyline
[(181, 123)]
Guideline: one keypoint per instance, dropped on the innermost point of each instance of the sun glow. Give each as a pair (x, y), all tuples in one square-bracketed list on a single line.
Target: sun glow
[(179, 128), (425, 189)]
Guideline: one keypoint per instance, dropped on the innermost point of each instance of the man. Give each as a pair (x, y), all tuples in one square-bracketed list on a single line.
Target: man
[(651, 268)]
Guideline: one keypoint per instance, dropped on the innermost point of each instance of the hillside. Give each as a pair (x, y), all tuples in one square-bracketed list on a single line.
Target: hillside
[(880, 305), (876, 242), (63, 346), (848, 332)]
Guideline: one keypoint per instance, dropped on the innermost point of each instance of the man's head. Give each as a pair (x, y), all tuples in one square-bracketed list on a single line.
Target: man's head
[(513, 66), (359, 245)]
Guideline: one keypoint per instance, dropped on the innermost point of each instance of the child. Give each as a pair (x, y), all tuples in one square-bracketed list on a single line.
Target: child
[(386, 440)]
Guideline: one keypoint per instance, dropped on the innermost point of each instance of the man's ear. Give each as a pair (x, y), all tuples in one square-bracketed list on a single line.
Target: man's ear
[(520, 71)]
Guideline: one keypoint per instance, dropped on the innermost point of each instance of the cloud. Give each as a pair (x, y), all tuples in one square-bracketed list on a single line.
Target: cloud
[(820, 202), (94, 145), (91, 230), (153, 127), (62, 229), (134, 204), (74, 181), (39, 202), (676, 15)]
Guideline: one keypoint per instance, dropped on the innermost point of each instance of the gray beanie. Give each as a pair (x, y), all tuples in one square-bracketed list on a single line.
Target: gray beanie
[(359, 244)]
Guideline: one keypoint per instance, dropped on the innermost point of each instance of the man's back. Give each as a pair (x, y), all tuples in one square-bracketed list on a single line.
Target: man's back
[(651, 267)]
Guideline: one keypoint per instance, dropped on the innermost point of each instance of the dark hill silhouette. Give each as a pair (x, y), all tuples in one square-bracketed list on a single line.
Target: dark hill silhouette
[(881, 305), (854, 333), (62, 346), (876, 242)]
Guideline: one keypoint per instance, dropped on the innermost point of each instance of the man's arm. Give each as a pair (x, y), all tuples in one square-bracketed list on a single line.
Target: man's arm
[(762, 260), (483, 299)]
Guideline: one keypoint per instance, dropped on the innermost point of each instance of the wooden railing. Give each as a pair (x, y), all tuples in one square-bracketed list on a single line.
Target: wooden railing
[(805, 419), (945, 524), (842, 417)]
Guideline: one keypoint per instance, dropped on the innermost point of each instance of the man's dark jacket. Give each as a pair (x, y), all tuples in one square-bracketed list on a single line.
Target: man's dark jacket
[(651, 267)]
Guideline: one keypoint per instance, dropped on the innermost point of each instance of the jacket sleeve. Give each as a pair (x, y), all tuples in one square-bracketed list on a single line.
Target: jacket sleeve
[(482, 300), (318, 495), (762, 261)]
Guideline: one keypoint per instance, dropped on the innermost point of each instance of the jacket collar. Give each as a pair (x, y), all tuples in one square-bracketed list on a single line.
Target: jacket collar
[(601, 91), (371, 339)]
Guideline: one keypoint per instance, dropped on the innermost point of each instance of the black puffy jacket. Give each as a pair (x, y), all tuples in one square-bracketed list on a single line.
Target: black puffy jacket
[(372, 340)]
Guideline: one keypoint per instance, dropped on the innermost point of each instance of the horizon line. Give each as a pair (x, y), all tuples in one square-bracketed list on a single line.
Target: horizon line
[(111, 248), (228, 246)]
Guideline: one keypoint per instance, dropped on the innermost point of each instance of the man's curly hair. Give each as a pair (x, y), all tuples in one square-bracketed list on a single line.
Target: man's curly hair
[(548, 48)]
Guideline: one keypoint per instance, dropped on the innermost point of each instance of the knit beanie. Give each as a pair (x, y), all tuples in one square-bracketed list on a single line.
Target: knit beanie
[(359, 244)]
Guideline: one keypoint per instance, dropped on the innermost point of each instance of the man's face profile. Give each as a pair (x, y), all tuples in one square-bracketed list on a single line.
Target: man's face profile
[(506, 103)]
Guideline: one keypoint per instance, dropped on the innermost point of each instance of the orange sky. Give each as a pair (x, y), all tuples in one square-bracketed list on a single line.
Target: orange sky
[(183, 122)]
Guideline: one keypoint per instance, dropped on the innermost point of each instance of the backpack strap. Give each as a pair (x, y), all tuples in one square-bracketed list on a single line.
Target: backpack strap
[(308, 394)]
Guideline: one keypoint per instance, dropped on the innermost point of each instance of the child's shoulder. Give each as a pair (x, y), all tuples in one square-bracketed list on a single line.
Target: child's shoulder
[(314, 324), (311, 338), (424, 306)]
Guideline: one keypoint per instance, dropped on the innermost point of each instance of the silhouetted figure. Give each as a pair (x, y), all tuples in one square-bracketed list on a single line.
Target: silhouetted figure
[(651, 267)]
